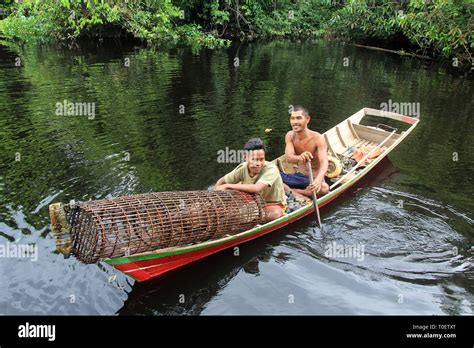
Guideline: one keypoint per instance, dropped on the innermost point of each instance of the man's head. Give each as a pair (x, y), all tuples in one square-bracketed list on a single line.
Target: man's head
[(299, 118), (254, 155)]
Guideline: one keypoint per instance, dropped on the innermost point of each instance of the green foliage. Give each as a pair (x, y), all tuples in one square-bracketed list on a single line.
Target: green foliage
[(442, 26), (5, 8), (436, 27), (58, 20), (359, 20), (264, 18)]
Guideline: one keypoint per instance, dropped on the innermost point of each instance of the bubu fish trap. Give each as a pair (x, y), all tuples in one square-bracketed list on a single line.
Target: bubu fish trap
[(123, 226)]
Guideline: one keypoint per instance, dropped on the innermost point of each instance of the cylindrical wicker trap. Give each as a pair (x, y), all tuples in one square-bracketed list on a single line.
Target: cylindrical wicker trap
[(128, 225)]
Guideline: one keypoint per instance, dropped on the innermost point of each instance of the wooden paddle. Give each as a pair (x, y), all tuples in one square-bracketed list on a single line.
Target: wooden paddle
[(315, 198)]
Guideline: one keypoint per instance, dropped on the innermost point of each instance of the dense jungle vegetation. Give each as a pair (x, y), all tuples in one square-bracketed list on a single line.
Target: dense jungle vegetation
[(437, 28)]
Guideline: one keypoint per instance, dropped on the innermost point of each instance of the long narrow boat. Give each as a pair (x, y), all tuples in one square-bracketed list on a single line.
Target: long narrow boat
[(341, 141)]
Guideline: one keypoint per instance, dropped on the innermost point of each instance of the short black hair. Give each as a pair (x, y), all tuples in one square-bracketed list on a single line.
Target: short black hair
[(301, 108), (254, 144)]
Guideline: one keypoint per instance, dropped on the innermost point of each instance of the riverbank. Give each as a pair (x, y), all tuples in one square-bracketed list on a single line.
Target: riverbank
[(438, 30)]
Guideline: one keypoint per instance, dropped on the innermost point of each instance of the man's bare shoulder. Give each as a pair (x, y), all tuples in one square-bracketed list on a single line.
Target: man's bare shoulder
[(316, 136), (289, 135)]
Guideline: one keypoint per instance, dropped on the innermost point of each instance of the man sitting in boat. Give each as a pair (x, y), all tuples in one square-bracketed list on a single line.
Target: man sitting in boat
[(256, 175), (303, 144)]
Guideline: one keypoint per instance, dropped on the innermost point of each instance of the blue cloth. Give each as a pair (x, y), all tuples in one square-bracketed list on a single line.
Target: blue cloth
[(297, 180)]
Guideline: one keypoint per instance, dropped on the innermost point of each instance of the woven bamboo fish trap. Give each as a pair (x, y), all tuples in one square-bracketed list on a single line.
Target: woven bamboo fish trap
[(129, 225)]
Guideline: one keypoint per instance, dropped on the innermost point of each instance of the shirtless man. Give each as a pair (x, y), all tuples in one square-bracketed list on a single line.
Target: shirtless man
[(303, 144)]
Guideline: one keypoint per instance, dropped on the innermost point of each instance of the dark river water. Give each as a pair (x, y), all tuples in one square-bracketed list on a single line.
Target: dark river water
[(159, 119)]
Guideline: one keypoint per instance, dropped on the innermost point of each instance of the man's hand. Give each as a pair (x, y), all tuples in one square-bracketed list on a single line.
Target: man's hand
[(315, 186), (305, 156), (222, 187)]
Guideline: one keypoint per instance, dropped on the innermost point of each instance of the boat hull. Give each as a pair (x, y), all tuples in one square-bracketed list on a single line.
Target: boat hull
[(154, 265)]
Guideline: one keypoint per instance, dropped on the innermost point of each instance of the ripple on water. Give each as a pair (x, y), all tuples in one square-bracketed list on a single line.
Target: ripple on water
[(413, 242)]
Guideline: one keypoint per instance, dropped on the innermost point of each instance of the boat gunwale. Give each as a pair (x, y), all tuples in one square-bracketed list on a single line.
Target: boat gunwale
[(299, 213)]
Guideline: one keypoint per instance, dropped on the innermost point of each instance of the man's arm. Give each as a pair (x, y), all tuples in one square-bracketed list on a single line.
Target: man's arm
[(249, 188), (290, 154), (221, 185), (323, 162), (220, 182)]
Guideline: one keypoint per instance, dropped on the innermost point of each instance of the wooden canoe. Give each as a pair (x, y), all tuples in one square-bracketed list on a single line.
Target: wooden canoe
[(341, 140)]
